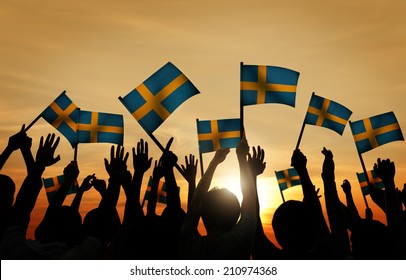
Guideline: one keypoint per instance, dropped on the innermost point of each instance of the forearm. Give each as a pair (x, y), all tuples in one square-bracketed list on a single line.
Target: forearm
[(5, 155), (337, 219), (394, 216), (249, 202), (76, 201), (153, 196), (172, 194), (351, 204)]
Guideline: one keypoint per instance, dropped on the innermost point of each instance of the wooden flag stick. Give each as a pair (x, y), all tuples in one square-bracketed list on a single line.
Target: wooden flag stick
[(241, 106), (75, 152), (303, 127), (200, 154), (366, 176), (33, 122), (37, 118), (163, 150), (283, 198), (365, 172)]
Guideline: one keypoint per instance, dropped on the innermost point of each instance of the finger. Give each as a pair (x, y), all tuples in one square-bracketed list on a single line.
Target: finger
[(106, 163), (111, 152), (182, 167), (55, 160), (23, 128), (133, 150), (41, 141), (47, 140), (126, 157), (186, 161), (138, 148), (168, 146), (56, 143), (146, 147), (254, 152)]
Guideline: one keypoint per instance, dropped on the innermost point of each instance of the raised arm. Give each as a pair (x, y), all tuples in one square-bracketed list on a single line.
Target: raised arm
[(385, 169), (189, 172), (70, 174), (117, 169), (86, 185), (335, 211), (193, 215), (28, 193)]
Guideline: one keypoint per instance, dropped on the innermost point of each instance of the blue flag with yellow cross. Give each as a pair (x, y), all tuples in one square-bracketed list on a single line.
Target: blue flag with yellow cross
[(152, 102), (262, 84), (327, 113), (287, 178), (214, 135), (63, 114), (375, 131), (97, 127)]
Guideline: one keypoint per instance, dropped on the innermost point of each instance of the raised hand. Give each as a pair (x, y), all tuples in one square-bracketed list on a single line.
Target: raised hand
[(168, 158), (189, 170), (385, 169), (18, 140), (158, 171), (100, 186), (46, 150), (328, 165), (346, 186), (298, 160), (256, 161), (117, 166), (140, 158), (242, 149), (71, 172), (87, 183)]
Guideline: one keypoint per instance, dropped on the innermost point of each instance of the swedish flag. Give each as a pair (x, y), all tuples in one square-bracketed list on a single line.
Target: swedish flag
[(152, 102), (327, 113), (287, 178), (161, 191), (373, 179), (268, 84), (53, 184), (63, 115), (375, 131), (95, 127), (217, 134)]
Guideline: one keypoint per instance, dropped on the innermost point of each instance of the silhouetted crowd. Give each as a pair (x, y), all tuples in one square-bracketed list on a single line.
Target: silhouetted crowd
[(234, 230)]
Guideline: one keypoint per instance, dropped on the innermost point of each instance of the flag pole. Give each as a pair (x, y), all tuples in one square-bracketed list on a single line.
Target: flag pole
[(241, 106), (37, 118), (163, 150), (366, 176), (200, 154), (75, 152), (303, 127), (365, 172), (283, 198)]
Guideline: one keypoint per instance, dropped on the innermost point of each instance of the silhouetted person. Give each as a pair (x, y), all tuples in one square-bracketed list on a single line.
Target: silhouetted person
[(226, 238)]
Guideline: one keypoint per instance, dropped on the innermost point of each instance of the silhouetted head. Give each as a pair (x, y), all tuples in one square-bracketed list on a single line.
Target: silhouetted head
[(220, 209), (7, 190), (60, 224), (370, 241), (296, 228), (102, 223)]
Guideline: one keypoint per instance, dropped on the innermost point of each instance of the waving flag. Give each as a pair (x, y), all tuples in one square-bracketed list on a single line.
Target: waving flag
[(161, 191), (53, 184), (63, 115), (268, 84), (287, 178), (152, 102), (327, 113), (375, 131), (214, 135), (373, 179), (95, 127)]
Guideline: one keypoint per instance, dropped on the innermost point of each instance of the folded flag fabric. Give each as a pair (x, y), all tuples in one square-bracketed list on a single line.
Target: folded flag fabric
[(96, 127), (53, 184), (287, 178), (373, 179), (268, 84), (214, 135), (152, 102), (63, 114), (161, 191), (375, 131), (327, 113)]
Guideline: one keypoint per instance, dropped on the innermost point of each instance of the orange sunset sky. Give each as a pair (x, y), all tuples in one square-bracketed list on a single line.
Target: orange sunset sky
[(353, 52)]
